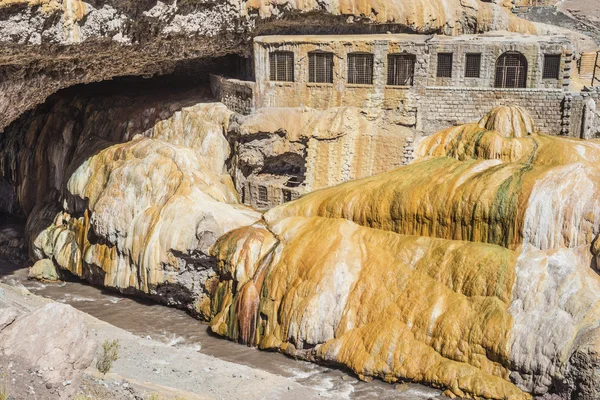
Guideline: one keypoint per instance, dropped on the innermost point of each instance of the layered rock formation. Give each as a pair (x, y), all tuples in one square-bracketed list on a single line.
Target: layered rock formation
[(137, 216), (471, 269), (318, 148), (49, 45)]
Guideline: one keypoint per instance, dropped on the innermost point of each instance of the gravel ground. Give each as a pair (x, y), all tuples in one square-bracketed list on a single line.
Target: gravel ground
[(145, 369)]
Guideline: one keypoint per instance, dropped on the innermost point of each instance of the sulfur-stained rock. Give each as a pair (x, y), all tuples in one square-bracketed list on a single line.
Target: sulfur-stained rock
[(133, 196), (327, 146), (470, 269), (44, 270)]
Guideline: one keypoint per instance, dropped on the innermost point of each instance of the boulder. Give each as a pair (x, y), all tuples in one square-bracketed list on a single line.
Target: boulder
[(44, 270)]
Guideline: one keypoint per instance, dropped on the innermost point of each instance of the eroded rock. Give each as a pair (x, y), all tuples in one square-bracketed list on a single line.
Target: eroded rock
[(470, 269)]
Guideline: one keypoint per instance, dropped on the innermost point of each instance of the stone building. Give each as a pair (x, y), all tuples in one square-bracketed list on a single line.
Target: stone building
[(418, 84), (434, 81)]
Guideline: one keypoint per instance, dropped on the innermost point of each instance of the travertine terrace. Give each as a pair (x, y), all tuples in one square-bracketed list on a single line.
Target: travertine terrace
[(406, 189)]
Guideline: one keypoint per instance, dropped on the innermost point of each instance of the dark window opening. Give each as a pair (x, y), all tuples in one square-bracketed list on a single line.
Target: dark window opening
[(444, 65), (473, 66), (320, 67), (551, 66), (511, 71), (287, 195), (401, 69), (360, 68), (281, 66), (262, 194)]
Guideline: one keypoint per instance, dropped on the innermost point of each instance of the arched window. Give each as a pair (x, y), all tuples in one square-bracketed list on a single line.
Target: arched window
[(511, 71)]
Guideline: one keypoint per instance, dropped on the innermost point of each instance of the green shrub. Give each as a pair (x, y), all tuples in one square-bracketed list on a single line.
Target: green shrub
[(110, 354)]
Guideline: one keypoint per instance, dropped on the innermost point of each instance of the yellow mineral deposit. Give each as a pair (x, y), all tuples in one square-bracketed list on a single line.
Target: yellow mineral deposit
[(445, 16), (425, 273), (151, 198)]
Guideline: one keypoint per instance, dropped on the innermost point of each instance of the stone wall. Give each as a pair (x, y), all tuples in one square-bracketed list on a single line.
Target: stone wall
[(431, 103), (441, 107), (237, 95), (584, 118)]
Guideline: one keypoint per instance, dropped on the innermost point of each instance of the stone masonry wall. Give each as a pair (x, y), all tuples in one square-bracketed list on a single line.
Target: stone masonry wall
[(237, 95), (441, 107)]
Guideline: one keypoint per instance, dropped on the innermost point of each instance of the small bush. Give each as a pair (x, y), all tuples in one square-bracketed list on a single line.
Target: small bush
[(110, 354), (4, 387)]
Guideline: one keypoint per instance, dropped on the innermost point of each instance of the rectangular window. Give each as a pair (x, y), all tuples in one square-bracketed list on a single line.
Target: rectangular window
[(281, 65), (320, 67), (360, 68), (551, 66), (287, 195), (262, 194), (444, 65), (473, 66), (401, 69)]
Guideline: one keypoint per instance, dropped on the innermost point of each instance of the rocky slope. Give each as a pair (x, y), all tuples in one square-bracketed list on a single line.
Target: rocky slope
[(35, 332), (471, 269), (52, 44)]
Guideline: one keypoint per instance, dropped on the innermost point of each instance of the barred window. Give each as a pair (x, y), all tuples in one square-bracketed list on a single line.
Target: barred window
[(320, 67), (281, 66), (287, 195), (551, 66), (262, 194), (360, 68), (401, 69), (444, 65), (473, 65), (511, 71)]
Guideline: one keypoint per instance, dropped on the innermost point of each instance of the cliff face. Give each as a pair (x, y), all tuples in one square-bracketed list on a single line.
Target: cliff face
[(48, 45), (116, 194), (318, 148), (472, 268)]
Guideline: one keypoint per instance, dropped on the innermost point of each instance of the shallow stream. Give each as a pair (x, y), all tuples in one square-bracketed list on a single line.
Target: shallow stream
[(177, 328)]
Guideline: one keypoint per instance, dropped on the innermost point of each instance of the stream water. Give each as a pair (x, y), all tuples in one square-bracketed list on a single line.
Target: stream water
[(177, 328)]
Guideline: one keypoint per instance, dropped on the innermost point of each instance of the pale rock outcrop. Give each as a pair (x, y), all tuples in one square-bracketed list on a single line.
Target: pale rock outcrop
[(128, 192), (331, 146), (62, 348), (152, 210), (44, 270), (471, 269)]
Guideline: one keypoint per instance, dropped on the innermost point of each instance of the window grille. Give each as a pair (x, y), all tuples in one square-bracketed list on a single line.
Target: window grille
[(360, 68), (281, 66), (551, 66), (401, 69), (473, 66), (511, 71), (320, 67), (444, 65), (262, 194), (287, 195)]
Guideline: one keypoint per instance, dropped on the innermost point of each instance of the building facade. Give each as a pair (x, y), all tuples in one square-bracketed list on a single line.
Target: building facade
[(430, 81)]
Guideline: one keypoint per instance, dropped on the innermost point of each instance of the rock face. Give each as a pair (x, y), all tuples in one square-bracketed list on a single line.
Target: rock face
[(48, 45), (44, 270), (317, 148), (60, 346), (137, 216), (471, 269)]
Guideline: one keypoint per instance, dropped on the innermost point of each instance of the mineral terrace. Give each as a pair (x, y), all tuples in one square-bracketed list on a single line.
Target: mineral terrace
[(409, 189)]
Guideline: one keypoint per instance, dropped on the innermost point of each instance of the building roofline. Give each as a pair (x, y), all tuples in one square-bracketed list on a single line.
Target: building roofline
[(495, 36)]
